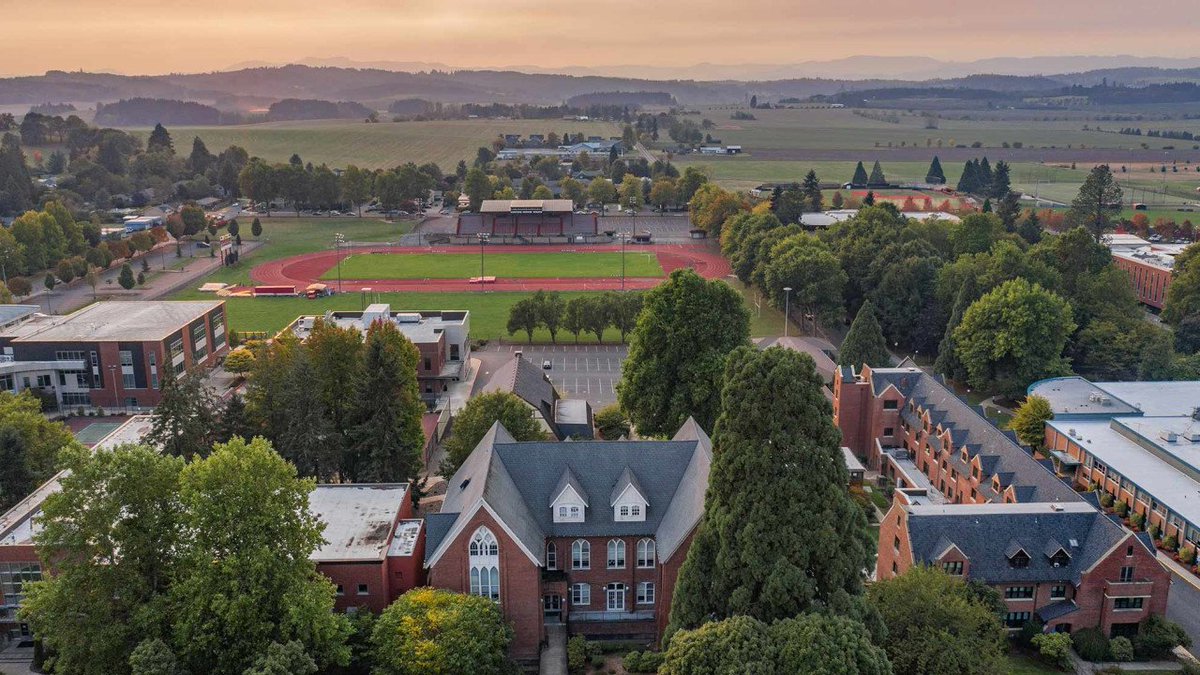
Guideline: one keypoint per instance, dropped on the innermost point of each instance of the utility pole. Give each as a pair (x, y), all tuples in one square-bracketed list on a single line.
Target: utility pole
[(338, 240), (624, 237), (787, 305)]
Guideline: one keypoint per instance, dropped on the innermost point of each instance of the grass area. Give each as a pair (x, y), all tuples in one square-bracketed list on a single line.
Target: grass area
[(503, 265), (1020, 663), (765, 320), (376, 146)]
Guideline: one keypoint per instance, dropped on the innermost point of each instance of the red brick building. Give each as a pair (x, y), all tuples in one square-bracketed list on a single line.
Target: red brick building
[(111, 354), (1067, 565), (1149, 273), (587, 533)]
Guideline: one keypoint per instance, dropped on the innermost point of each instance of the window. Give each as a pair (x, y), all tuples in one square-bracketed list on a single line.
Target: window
[(1127, 603), (1058, 592), (635, 510), (616, 554), (7, 383), (484, 562), (954, 568), (581, 555), (645, 593), (624, 511), (1128, 551), (1018, 592), (891, 405), (45, 381), (13, 577), (72, 397), (1126, 574), (68, 356), (615, 595), (1019, 559), (363, 590), (1016, 619), (581, 594), (153, 370), (888, 432), (562, 512), (645, 553), (340, 590), (551, 556), (896, 544)]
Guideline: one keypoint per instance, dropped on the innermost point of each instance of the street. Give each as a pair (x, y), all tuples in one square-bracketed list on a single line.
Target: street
[(1183, 607)]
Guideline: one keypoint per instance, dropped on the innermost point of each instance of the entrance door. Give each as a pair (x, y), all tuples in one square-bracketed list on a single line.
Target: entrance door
[(552, 608)]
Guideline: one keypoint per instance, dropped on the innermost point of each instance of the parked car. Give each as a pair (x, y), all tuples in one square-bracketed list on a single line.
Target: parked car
[(547, 364)]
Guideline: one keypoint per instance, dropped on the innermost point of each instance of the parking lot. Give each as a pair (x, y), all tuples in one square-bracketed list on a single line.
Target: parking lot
[(589, 372)]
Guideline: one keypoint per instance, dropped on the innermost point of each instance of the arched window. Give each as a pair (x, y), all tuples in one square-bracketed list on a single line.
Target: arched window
[(645, 553), (616, 554), (551, 556), (581, 555), (484, 561)]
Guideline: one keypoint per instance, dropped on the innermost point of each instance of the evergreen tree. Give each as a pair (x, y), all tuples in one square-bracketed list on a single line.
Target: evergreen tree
[(1001, 184), (987, 205), (812, 191), (1031, 228), (126, 278), (864, 343), (256, 227), (183, 424), (386, 438), (935, 175), (792, 539), (860, 176), (984, 175), (235, 421), (308, 439), (948, 362), (877, 178), (201, 159), (869, 200), (16, 480), (1009, 211), (968, 182), (160, 141), (1098, 199)]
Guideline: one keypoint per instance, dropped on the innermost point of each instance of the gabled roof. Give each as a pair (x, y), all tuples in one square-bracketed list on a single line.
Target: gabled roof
[(525, 379), (626, 480), (976, 529), (568, 480), (516, 482)]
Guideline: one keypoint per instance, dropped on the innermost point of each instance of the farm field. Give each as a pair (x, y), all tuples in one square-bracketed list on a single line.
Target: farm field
[(503, 265), (374, 146)]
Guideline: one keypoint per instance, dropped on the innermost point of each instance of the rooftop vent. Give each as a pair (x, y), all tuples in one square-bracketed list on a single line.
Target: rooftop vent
[(1168, 436)]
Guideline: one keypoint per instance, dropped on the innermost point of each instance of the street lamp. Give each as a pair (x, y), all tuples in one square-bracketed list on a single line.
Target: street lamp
[(483, 239), (117, 398), (624, 236), (787, 305), (339, 240)]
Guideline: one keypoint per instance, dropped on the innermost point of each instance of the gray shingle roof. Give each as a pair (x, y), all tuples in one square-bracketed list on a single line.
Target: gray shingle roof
[(1086, 534), (525, 379), (626, 479), (569, 479)]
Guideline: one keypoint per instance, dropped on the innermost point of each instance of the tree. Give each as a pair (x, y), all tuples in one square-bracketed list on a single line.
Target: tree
[(477, 187), (860, 176), (597, 316), (250, 581), (1000, 186), (877, 178), (385, 434), (935, 175), (623, 310), (936, 626), (1098, 199), (677, 351), (1183, 295), (1009, 211), (573, 190), (477, 417), (601, 191), (92, 278), (524, 315), (355, 185), (611, 422), (575, 316), (235, 421), (49, 282), (125, 278), (160, 141), (1013, 336), (824, 644), (435, 631), (16, 479), (1054, 648), (1029, 422), (183, 421), (793, 540), (1030, 228), (1187, 334), (631, 192), (256, 227), (869, 200), (112, 534), (1157, 636), (283, 659), (812, 191), (864, 343), (806, 265), (663, 193), (154, 657), (550, 310), (307, 438), (711, 206), (739, 644), (259, 181)]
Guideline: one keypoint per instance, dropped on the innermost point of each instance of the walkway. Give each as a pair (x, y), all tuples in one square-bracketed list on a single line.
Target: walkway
[(554, 656)]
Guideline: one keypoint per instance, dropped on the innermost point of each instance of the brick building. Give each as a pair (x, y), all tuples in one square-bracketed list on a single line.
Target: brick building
[(110, 354), (1067, 565), (587, 533), (442, 338), (908, 426), (1149, 273)]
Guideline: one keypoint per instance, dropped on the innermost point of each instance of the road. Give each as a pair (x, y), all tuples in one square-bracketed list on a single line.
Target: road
[(588, 372), (641, 150), (1183, 607)]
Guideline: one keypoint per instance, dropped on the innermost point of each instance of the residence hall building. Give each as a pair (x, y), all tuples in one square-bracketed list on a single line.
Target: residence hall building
[(1137, 441), (1066, 564), (587, 533), (110, 354), (527, 217), (908, 426), (442, 338)]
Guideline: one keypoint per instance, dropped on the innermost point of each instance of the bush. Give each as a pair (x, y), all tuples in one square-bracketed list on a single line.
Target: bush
[(1137, 520), (580, 652), (1187, 556), (1029, 630), (1154, 531), (1121, 648), (632, 662), (1170, 543), (1157, 637), (1121, 508), (651, 661), (1055, 648), (611, 422), (1091, 644), (1106, 500)]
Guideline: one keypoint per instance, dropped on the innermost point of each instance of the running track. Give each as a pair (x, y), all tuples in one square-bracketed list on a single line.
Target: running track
[(302, 270)]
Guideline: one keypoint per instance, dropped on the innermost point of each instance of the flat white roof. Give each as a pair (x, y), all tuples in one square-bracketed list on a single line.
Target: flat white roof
[(404, 543), (999, 507), (1157, 398), (358, 519), (133, 321)]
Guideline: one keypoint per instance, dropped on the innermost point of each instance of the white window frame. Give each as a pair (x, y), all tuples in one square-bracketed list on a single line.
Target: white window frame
[(645, 593), (616, 554), (614, 591), (581, 594), (551, 555), (483, 562), (646, 554), (581, 555)]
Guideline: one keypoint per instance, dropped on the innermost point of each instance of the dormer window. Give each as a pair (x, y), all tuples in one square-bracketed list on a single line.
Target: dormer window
[(569, 504), (1060, 559), (628, 499), (1019, 560)]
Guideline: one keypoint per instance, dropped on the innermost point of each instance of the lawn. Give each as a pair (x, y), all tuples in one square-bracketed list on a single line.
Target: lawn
[(1020, 663), (503, 265), (375, 146)]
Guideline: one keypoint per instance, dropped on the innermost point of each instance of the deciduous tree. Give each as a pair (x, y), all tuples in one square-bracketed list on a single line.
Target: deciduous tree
[(435, 631), (478, 415), (1029, 422)]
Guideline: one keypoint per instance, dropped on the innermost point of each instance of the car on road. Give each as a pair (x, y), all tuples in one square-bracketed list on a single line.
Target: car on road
[(547, 364)]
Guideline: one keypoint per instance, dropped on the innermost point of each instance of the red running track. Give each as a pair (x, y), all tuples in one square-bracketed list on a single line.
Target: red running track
[(302, 270)]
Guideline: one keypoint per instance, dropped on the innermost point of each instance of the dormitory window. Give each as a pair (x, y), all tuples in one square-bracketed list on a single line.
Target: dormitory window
[(1016, 619), (551, 556), (1018, 592), (615, 594), (363, 590), (645, 593), (624, 511), (616, 554), (888, 432), (581, 555), (1127, 603), (1058, 592), (953, 568), (340, 590), (891, 404), (581, 594), (1126, 574)]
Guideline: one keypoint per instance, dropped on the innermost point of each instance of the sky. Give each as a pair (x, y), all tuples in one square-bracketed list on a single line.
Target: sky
[(153, 36)]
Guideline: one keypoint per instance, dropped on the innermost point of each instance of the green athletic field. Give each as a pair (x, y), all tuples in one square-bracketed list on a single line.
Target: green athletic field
[(504, 265)]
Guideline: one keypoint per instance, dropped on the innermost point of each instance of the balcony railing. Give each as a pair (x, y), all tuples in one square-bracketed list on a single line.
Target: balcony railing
[(640, 615)]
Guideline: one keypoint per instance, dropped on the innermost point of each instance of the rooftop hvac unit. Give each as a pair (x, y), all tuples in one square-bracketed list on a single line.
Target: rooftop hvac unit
[(1104, 400), (1193, 436), (1071, 433), (1168, 436)]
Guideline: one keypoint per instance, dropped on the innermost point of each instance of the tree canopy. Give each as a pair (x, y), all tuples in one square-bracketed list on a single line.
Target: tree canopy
[(1029, 422), (478, 415), (1098, 200), (864, 343), (435, 631)]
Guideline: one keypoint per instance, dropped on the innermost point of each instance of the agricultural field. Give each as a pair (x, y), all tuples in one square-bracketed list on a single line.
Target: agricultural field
[(374, 146), (504, 265)]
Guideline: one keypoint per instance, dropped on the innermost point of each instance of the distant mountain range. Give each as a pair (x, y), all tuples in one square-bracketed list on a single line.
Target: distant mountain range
[(256, 87)]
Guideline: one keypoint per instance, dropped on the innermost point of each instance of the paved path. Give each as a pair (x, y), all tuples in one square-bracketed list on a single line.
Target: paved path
[(1183, 604), (554, 656)]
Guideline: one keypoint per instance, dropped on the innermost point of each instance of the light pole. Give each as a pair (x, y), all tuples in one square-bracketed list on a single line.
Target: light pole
[(624, 237), (787, 305), (338, 240), (112, 373), (483, 239)]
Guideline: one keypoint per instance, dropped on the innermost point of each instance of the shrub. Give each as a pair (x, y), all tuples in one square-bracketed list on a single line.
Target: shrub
[(1121, 648), (1106, 500), (633, 662), (651, 661), (1121, 508), (611, 422), (1154, 531), (1170, 543), (1157, 637), (1187, 556), (577, 657), (1137, 520), (1055, 648), (1030, 630), (1091, 644)]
